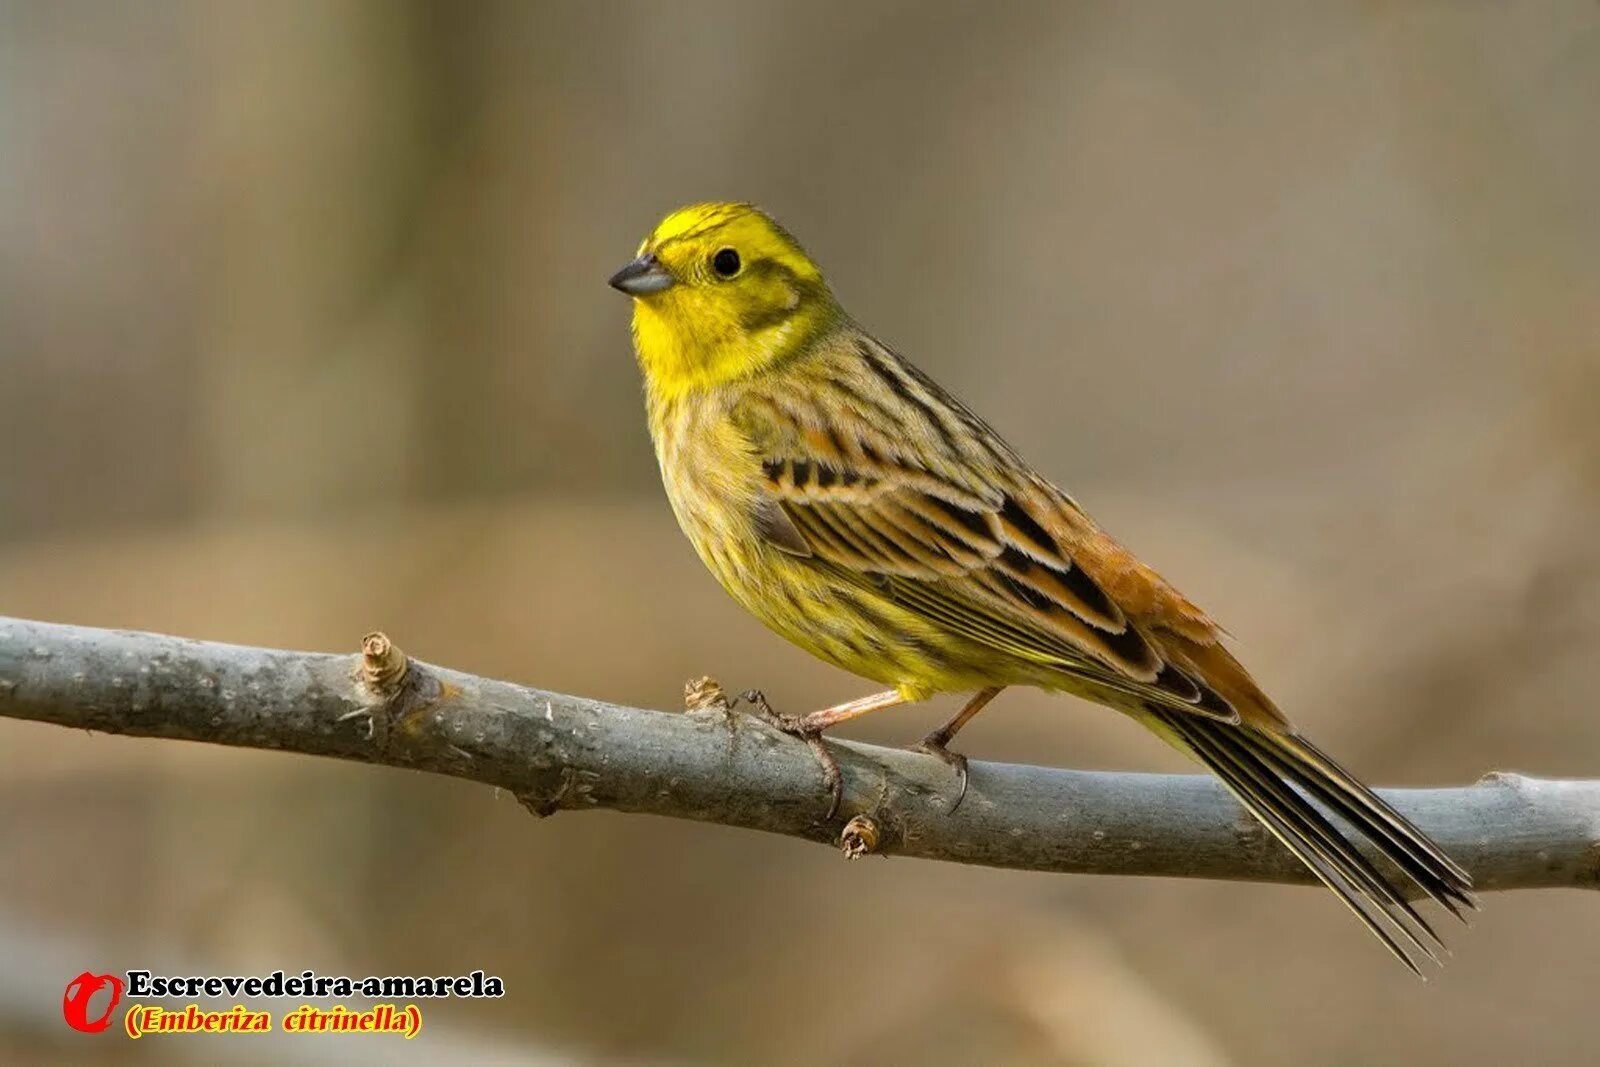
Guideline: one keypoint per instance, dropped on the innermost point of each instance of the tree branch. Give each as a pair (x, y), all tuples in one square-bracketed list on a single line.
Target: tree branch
[(558, 752)]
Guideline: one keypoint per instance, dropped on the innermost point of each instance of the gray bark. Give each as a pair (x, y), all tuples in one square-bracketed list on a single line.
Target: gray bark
[(559, 752)]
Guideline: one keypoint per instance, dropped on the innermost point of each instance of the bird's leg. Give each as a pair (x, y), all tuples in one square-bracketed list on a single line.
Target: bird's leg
[(809, 729), (934, 744)]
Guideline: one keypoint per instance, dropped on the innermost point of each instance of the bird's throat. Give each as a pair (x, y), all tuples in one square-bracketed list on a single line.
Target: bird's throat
[(679, 355)]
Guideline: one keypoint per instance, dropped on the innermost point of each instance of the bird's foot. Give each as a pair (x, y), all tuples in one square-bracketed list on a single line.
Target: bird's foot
[(808, 730), (934, 745)]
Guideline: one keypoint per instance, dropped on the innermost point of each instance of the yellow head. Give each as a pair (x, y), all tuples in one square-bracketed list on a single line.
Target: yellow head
[(720, 292)]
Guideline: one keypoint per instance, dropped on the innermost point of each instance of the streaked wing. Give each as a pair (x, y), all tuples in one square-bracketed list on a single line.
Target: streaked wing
[(893, 483)]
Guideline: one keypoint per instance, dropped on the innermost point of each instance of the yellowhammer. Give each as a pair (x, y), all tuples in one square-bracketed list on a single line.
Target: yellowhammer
[(869, 517)]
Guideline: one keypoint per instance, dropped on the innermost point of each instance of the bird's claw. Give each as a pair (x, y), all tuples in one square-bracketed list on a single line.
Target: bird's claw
[(934, 745), (811, 735)]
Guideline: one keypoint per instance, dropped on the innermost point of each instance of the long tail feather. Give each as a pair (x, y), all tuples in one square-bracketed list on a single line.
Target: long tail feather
[(1407, 847), (1373, 814), (1261, 769)]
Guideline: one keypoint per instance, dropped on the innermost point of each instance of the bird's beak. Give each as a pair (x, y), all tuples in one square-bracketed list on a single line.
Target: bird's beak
[(642, 277)]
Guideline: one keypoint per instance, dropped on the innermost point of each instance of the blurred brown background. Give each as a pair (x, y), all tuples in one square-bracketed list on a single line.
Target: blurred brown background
[(1300, 300)]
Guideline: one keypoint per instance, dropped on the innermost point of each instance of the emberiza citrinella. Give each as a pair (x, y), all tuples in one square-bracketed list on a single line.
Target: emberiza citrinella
[(869, 517)]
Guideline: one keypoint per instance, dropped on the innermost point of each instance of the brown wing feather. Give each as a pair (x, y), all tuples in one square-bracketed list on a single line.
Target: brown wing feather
[(1017, 566), (1185, 635)]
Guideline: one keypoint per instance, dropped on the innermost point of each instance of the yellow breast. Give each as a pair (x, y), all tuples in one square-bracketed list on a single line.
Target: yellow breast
[(711, 478)]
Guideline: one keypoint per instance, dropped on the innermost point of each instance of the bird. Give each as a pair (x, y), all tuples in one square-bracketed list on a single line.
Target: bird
[(862, 512)]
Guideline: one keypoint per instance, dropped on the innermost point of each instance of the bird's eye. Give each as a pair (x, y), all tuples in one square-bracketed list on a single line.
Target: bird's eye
[(725, 263)]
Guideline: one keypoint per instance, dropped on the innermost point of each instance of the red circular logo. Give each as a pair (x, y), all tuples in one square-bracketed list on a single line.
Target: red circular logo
[(75, 1001)]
